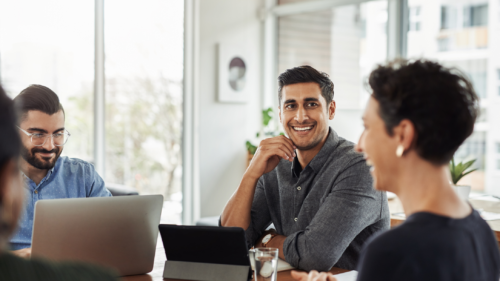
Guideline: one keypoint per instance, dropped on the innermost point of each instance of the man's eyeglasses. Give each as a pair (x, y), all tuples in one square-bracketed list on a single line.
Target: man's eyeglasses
[(38, 139)]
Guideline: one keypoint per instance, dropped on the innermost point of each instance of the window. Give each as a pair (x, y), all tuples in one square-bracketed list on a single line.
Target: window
[(460, 39), (475, 70), (448, 17), (483, 116), (461, 31), (53, 45), (498, 81), (473, 147), (475, 16), (498, 155), (415, 18), (346, 42), (144, 96)]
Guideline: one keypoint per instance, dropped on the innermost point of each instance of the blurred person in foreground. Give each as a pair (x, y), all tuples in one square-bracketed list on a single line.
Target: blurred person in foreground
[(311, 184), (14, 268), (47, 175), (418, 115)]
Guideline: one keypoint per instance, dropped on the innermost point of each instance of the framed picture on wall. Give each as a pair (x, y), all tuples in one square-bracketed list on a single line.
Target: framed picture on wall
[(232, 73)]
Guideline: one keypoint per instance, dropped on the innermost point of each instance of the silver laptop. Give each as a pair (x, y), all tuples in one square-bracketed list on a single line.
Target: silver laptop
[(118, 232)]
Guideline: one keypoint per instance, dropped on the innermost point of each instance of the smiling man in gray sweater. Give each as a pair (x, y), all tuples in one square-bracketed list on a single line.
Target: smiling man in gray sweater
[(312, 185)]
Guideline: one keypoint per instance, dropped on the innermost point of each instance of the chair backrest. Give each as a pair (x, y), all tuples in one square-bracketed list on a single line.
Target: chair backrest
[(121, 190)]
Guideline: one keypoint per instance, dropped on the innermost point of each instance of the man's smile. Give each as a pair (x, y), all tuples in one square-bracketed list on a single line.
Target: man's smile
[(302, 129), (46, 155)]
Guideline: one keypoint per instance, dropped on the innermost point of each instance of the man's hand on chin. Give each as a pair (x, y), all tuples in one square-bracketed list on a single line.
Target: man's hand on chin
[(23, 253), (313, 276)]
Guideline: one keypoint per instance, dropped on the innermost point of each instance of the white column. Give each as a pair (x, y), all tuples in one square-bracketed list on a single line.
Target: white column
[(269, 58), (99, 129), (190, 138), (397, 28)]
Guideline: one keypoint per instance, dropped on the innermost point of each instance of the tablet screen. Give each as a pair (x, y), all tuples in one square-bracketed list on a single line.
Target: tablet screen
[(205, 244)]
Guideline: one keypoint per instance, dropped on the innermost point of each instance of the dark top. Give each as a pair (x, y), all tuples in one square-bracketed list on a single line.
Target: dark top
[(432, 247), (327, 210), (14, 268)]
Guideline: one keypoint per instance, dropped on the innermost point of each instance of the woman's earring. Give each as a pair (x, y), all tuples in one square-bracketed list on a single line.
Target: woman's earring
[(400, 150)]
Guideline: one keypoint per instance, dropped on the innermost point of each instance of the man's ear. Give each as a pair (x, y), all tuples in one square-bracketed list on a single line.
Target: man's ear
[(331, 110), (279, 113)]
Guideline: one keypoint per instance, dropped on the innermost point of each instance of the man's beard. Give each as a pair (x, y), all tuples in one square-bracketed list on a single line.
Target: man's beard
[(42, 164)]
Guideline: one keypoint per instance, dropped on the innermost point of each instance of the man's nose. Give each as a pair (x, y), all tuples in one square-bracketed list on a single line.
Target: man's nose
[(49, 144), (301, 115)]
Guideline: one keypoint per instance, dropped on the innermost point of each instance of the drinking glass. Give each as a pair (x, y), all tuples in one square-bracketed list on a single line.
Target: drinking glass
[(266, 264)]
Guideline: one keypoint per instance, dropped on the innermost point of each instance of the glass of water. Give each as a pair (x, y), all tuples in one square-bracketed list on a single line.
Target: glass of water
[(266, 264)]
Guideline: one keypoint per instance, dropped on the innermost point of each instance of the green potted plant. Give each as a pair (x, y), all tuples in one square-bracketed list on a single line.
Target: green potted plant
[(459, 171), (266, 132)]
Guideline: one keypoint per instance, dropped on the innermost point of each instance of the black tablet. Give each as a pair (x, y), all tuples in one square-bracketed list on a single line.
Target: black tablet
[(205, 244)]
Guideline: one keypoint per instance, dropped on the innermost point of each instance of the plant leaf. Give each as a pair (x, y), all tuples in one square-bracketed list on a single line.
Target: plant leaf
[(251, 148), (266, 116), (468, 164), (468, 172), (458, 171)]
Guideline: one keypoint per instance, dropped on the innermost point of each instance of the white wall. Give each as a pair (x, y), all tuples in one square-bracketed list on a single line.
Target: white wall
[(348, 123), (224, 127)]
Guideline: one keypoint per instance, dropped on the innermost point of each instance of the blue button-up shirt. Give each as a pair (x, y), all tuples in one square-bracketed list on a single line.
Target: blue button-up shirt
[(70, 178)]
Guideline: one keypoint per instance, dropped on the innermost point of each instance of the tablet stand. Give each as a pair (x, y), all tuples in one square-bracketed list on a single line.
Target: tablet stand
[(205, 271)]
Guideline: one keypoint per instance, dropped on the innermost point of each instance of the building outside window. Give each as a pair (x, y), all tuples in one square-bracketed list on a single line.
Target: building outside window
[(415, 18), (448, 17), (475, 15), (498, 81), (498, 155)]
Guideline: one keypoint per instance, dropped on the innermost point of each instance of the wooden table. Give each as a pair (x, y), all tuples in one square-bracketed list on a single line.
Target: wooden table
[(157, 273), (488, 206), (394, 207)]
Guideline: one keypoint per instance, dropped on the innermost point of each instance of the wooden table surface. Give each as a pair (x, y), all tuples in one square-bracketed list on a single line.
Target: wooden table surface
[(394, 206), (157, 273), (488, 206)]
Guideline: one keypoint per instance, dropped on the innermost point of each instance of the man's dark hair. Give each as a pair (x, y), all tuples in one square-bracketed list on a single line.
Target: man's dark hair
[(37, 97), (9, 136), (440, 102), (305, 74)]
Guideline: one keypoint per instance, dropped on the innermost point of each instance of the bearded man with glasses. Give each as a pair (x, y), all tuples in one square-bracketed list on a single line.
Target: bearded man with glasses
[(46, 174)]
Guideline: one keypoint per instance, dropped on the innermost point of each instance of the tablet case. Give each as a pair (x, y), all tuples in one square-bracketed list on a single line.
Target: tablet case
[(205, 253)]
